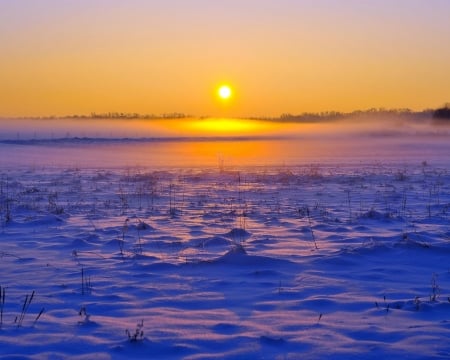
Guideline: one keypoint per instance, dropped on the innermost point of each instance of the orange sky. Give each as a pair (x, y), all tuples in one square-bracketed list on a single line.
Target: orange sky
[(77, 57)]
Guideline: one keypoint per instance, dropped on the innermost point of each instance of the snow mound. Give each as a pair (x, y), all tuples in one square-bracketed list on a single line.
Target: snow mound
[(238, 234)]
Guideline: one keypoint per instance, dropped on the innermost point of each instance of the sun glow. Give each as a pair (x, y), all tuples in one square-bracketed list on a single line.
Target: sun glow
[(227, 126), (224, 92)]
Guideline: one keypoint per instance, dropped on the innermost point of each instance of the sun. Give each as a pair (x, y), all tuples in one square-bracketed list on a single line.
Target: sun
[(224, 92)]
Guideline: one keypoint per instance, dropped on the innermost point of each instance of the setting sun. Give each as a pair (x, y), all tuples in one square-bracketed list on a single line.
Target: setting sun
[(224, 92)]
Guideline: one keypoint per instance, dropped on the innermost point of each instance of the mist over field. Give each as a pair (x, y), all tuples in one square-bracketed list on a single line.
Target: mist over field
[(208, 142), (316, 125)]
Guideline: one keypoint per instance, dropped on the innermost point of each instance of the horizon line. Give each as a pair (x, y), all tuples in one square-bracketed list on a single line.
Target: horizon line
[(180, 115)]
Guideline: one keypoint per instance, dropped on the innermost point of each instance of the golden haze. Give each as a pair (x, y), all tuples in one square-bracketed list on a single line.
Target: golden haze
[(62, 58)]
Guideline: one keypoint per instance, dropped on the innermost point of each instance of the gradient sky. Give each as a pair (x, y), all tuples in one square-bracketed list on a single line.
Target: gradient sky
[(60, 57)]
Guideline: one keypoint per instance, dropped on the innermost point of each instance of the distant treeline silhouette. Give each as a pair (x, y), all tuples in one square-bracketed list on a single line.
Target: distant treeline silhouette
[(335, 115), (113, 115), (438, 114), (442, 113), (120, 115)]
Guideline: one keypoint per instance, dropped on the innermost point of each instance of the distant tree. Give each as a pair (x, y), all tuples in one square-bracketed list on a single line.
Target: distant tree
[(442, 113)]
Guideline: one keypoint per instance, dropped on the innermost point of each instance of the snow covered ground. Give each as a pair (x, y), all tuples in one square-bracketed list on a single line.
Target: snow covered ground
[(341, 260)]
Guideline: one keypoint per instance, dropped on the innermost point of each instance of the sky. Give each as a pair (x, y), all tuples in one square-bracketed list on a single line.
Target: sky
[(62, 57)]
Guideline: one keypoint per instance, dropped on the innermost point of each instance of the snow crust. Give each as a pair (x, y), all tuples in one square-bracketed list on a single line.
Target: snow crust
[(317, 260)]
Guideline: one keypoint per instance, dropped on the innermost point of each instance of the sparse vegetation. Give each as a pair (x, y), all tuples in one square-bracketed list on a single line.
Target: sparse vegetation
[(2, 304), (138, 334), (86, 286), (435, 289), (189, 229), (84, 316)]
